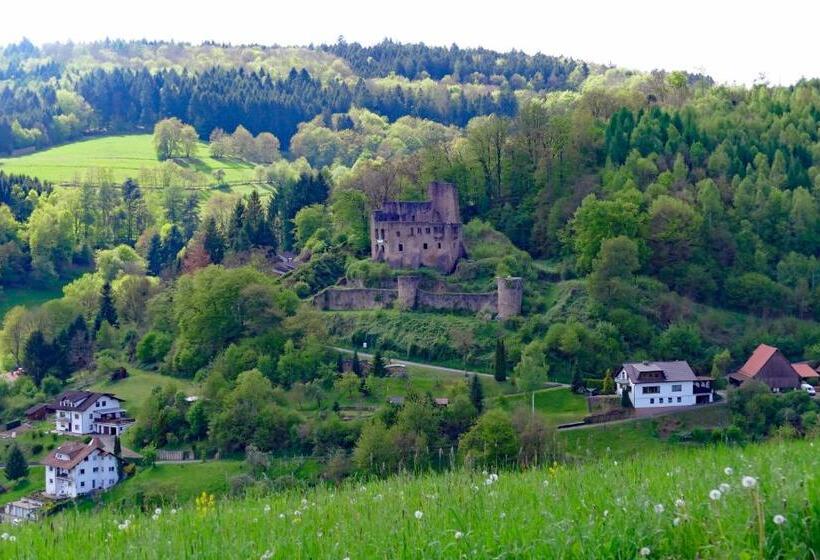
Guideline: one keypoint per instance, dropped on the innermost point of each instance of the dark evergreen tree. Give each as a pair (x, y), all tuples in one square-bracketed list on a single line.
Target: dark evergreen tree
[(155, 257), (500, 371), (107, 311), (132, 199), (172, 245), (118, 456), (476, 393), (213, 241), (357, 365), (16, 464), (378, 365)]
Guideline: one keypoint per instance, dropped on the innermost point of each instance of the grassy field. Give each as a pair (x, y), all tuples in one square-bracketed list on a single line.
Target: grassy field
[(35, 482), (9, 297), (136, 388), (648, 506), (123, 155), (558, 405), (174, 483)]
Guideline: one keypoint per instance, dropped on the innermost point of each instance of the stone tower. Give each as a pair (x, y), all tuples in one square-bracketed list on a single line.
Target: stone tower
[(408, 291), (510, 294), (413, 234)]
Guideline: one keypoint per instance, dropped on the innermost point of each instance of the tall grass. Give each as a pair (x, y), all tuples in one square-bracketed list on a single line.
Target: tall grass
[(607, 509)]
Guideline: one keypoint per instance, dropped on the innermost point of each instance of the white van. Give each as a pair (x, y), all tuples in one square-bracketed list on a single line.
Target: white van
[(808, 388)]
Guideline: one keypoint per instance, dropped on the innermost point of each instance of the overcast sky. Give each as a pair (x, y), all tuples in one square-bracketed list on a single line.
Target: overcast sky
[(732, 41)]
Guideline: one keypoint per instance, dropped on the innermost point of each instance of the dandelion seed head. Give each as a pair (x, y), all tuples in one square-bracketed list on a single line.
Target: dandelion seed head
[(724, 487), (749, 482), (267, 508), (676, 521), (418, 514), (267, 555), (679, 503), (779, 519), (459, 535), (12, 538), (729, 471), (645, 551), (4, 536), (659, 508), (714, 494), (503, 515)]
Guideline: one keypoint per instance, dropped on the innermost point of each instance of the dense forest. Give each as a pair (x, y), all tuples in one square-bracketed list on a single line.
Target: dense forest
[(651, 214)]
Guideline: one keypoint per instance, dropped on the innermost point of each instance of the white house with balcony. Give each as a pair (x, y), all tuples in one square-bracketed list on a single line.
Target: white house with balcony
[(76, 468), (663, 384), (86, 412)]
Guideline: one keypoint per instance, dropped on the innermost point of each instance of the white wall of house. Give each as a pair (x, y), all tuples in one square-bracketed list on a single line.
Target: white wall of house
[(98, 471), (667, 393), (80, 423)]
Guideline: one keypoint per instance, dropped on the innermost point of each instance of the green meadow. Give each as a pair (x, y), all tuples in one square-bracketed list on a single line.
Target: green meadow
[(125, 156), (759, 501)]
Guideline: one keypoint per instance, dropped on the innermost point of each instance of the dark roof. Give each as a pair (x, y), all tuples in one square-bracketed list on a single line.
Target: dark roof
[(76, 452), (37, 408), (80, 400), (768, 365), (658, 372)]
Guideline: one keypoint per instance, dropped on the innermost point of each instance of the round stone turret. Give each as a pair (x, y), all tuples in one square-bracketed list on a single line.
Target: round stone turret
[(408, 291), (510, 294)]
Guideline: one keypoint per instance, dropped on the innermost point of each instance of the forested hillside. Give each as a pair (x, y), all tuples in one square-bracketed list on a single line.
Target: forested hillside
[(652, 215)]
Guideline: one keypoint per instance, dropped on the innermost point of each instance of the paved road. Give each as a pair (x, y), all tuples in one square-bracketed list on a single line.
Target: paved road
[(419, 364)]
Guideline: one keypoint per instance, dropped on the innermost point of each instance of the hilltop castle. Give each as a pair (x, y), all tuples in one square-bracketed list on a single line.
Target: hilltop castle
[(414, 234)]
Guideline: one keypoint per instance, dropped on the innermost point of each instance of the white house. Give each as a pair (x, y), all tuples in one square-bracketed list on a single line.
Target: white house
[(85, 412), (76, 468), (662, 384)]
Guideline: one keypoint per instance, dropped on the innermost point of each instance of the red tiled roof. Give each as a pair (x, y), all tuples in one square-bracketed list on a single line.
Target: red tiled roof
[(757, 360), (805, 371)]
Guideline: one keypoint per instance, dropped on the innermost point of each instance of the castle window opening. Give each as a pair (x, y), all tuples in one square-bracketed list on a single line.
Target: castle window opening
[(439, 245), (401, 247), (427, 230), (425, 246)]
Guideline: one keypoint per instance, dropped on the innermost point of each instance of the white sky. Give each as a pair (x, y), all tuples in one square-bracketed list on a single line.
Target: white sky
[(733, 41)]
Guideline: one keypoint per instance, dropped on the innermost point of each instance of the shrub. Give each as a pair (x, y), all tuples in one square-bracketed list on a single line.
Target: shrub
[(153, 347)]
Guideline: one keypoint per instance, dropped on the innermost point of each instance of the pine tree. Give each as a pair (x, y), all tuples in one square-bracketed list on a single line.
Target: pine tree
[(172, 245), (477, 393), (500, 361), (38, 357), (357, 365), (107, 310), (378, 365), (155, 255), (213, 242), (16, 465)]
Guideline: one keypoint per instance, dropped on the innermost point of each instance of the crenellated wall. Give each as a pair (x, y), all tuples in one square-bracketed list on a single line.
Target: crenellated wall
[(505, 302)]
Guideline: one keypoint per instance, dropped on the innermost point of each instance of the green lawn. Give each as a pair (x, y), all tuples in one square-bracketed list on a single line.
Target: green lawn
[(30, 297), (174, 483), (123, 155), (625, 439), (136, 388), (558, 405), (37, 438), (35, 482)]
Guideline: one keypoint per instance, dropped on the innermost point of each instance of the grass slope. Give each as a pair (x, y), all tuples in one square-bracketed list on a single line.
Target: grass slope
[(137, 387), (601, 510), (123, 155), (34, 482), (30, 297), (558, 405)]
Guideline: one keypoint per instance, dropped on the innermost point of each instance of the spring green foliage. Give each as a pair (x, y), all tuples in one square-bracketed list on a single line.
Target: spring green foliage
[(449, 503)]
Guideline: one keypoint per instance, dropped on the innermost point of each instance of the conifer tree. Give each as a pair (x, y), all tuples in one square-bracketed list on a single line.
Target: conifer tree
[(107, 310), (378, 365), (16, 465), (500, 361), (213, 242), (118, 455), (477, 393), (357, 365), (155, 255)]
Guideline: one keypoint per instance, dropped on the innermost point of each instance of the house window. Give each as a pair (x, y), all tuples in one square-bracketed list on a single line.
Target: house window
[(103, 403), (425, 246), (651, 401), (652, 390), (111, 469), (51, 481), (95, 469), (82, 471), (677, 388), (678, 399), (82, 484), (76, 427), (401, 247), (76, 416), (418, 230)]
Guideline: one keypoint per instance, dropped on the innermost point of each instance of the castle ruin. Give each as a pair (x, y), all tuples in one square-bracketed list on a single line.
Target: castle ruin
[(414, 234)]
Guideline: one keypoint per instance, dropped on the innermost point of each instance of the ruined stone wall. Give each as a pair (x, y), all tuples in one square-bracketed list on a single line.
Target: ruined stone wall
[(354, 298), (505, 301), (486, 302)]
